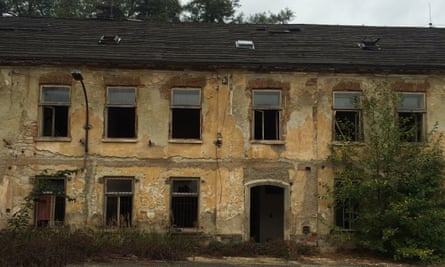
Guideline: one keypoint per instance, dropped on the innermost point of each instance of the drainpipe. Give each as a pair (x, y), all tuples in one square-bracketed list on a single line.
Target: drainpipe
[(77, 75)]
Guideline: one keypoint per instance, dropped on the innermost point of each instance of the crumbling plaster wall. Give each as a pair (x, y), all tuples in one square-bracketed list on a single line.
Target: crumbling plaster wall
[(298, 163)]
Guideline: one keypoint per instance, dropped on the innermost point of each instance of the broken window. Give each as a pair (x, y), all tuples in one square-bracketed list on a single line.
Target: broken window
[(121, 112), (186, 114), (346, 210), (50, 202), (411, 116), (266, 114), (347, 117), (184, 203), (54, 107), (118, 201)]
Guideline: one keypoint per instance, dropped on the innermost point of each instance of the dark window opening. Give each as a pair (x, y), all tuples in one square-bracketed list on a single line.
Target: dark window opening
[(266, 115), (50, 204), (345, 211), (55, 121), (184, 204), (54, 102), (345, 214), (411, 116), (121, 113), (411, 126), (119, 211), (119, 202), (347, 126), (267, 125), (186, 114), (121, 122), (186, 123)]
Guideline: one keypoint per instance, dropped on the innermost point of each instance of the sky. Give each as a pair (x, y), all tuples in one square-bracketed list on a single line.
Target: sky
[(355, 12)]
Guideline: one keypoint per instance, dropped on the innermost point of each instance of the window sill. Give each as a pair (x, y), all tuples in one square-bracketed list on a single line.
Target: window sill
[(268, 142), (52, 139), (185, 141), (119, 140)]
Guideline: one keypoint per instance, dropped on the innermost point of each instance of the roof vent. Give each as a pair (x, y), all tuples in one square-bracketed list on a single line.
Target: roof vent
[(370, 45), (284, 31), (244, 44), (110, 39)]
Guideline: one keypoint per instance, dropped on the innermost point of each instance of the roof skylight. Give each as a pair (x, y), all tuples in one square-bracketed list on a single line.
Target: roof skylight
[(248, 44)]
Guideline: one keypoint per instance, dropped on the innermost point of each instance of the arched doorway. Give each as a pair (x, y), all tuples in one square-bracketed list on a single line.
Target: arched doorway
[(266, 213)]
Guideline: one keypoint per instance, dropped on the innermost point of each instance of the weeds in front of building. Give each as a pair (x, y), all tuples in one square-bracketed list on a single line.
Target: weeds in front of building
[(59, 247)]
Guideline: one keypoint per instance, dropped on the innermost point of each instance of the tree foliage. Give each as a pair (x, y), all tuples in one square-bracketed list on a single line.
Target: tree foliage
[(211, 11), (219, 11), (282, 17), (397, 186)]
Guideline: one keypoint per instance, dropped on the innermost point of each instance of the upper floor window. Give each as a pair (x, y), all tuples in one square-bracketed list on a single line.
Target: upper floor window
[(411, 115), (54, 109), (118, 201), (266, 114), (121, 112), (347, 117), (186, 114)]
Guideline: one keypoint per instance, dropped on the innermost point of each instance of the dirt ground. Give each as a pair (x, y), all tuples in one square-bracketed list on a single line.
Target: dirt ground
[(334, 260)]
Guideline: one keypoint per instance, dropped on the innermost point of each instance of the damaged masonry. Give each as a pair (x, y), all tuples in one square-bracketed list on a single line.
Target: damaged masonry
[(221, 130)]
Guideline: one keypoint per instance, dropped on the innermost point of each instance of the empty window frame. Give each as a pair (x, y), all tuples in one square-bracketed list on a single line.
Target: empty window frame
[(121, 112), (54, 110), (184, 203), (266, 114), (50, 202), (346, 211), (186, 114), (411, 116), (118, 201), (347, 124)]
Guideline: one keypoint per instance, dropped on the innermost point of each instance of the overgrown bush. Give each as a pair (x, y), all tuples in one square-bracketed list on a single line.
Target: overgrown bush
[(398, 186)]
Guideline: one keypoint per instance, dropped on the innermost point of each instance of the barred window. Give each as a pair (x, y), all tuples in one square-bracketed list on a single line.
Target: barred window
[(184, 203)]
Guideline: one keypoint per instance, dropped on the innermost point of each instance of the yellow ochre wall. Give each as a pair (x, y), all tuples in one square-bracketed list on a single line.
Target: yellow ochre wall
[(298, 163)]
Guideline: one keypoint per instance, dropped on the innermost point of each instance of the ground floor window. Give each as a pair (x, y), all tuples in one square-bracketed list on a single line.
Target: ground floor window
[(345, 210), (184, 203), (50, 202), (118, 201)]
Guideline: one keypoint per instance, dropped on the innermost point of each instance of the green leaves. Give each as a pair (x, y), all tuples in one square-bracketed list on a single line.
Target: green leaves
[(400, 195)]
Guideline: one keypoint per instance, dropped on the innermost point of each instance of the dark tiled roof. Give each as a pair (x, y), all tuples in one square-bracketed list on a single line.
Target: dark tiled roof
[(277, 47)]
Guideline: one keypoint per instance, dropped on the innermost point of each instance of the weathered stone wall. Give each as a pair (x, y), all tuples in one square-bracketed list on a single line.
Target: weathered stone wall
[(297, 163)]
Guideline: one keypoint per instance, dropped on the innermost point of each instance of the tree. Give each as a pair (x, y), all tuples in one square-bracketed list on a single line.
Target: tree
[(282, 17), (158, 10), (219, 11), (397, 186)]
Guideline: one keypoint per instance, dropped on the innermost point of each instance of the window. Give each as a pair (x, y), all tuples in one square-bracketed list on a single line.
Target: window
[(50, 203), (347, 117), (346, 211), (186, 114), (121, 112), (266, 115), (54, 107), (184, 203), (118, 201), (411, 116)]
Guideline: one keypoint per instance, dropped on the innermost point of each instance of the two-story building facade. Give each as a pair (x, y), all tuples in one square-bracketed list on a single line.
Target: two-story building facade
[(223, 130)]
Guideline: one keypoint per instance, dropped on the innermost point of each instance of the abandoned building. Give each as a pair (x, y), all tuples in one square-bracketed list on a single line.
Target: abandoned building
[(221, 130)]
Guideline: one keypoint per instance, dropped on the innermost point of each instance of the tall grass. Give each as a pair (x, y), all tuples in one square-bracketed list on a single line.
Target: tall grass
[(59, 247)]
